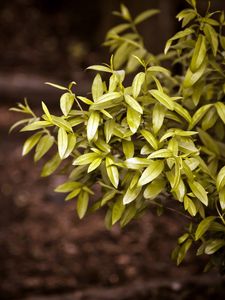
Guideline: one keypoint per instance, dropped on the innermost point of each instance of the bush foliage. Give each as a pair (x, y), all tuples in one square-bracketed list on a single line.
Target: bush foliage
[(147, 136)]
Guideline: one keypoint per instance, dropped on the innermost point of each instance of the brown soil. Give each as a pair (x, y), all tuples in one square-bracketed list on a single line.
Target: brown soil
[(47, 253)]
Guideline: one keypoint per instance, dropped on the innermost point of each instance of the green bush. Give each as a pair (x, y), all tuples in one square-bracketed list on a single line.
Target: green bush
[(159, 136)]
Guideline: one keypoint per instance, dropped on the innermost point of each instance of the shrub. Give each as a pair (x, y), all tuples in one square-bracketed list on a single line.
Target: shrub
[(159, 135)]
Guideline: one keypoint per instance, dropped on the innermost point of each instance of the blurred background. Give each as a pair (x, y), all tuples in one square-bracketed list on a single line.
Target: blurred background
[(45, 251)]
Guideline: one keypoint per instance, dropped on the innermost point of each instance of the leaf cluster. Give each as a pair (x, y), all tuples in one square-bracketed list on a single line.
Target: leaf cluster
[(161, 134)]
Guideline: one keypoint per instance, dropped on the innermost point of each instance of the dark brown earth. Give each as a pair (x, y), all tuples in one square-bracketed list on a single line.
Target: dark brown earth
[(46, 253)]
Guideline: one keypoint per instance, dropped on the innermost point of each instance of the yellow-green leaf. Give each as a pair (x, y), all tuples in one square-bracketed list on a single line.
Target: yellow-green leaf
[(128, 148), (199, 53), (31, 142), (66, 103), (220, 180), (154, 188), (62, 142), (199, 192), (94, 165), (220, 107), (153, 170), (85, 159), (163, 99), (112, 171), (158, 115), (97, 87), (133, 119), (133, 103), (117, 210), (44, 144), (92, 124), (82, 203), (131, 194), (145, 15), (203, 227), (150, 138), (137, 84), (51, 165), (212, 37)]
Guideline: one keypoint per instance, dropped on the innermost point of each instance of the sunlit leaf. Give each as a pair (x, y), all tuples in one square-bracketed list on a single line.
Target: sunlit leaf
[(153, 170)]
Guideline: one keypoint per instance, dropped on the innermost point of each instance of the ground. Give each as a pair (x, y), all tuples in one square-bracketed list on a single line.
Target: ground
[(47, 253)]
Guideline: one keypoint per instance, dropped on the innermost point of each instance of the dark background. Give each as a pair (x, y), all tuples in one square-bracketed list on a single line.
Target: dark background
[(45, 251), (55, 39)]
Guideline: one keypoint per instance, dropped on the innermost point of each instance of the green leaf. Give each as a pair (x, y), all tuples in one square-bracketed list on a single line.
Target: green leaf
[(100, 68), (214, 245), (68, 187), (137, 84), (158, 115), (61, 122), (203, 227), (131, 194), (51, 165), (220, 180), (199, 191), (136, 163), (71, 144), (150, 138), (161, 153), (36, 125), (153, 170), (106, 101), (128, 215), (125, 12), (192, 78), (199, 53), (133, 119), (154, 188), (178, 35), (112, 171), (159, 69), (145, 15), (44, 144), (212, 37), (66, 103), (222, 41), (85, 159), (31, 142), (82, 203), (222, 198), (133, 103), (183, 238), (220, 107), (128, 148), (183, 251), (117, 210), (92, 125), (163, 99), (73, 194), (94, 165), (122, 53), (108, 196), (209, 119), (117, 29), (46, 111), (62, 142), (209, 142), (97, 87), (108, 129), (190, 206), (182, 112), (85, 100), (57, 86), (198, 115)]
